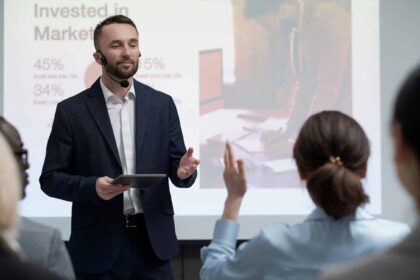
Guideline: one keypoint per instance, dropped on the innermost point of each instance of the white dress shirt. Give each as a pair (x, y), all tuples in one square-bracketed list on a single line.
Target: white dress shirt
[(298, 251), (122, 116)]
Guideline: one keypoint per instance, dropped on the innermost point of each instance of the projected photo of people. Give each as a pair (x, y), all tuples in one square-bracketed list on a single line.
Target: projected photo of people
[(292, 58)]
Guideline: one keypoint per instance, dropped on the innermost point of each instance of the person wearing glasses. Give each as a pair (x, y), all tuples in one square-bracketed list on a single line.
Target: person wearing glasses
[(331, 153), (12, 265), (40, 244)]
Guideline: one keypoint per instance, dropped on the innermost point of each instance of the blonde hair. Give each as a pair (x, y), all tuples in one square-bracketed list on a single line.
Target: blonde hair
[(10, 193)]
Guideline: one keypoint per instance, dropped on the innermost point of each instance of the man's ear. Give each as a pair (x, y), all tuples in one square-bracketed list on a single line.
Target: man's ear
[(97, 56)]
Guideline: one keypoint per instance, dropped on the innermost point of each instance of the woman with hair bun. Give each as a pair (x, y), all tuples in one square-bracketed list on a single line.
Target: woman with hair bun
[(331, 153)]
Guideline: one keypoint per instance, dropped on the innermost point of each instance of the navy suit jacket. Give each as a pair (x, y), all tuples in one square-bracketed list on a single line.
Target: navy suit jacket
[(82, 148)]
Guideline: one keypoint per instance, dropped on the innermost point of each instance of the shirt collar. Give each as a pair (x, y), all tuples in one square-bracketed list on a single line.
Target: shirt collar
[(319, 214), (108, 94)]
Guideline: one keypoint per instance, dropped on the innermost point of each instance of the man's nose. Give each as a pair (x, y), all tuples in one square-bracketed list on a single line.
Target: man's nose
[(126, 50), (25, 165)]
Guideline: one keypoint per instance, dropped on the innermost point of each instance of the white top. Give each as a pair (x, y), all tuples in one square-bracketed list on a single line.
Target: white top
[(122, 116), (298, 251)]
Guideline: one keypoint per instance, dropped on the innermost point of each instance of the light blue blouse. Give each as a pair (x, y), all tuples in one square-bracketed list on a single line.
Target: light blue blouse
[(298, 251)]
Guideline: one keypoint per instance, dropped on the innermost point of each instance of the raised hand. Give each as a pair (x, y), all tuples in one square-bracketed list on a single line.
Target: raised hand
[(236, 185), (234, 174)]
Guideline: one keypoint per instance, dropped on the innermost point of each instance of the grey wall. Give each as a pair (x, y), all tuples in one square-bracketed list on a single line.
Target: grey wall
[(400, 51)]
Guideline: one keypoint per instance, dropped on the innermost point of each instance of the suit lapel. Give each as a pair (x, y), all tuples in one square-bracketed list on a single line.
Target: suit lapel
[(97, 108), (142, 115)]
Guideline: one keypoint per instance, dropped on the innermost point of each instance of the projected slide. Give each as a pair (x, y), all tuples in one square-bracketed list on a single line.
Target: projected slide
[(288, 65), (238, 71)]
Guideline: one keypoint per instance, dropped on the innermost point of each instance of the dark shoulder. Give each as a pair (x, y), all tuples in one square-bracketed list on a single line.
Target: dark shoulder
[(151, 92)]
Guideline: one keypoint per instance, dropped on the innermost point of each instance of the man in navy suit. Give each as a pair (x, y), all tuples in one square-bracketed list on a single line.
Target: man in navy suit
[(118, 126)]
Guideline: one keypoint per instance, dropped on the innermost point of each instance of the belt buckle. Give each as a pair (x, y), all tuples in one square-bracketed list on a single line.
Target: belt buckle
[(128, 222)]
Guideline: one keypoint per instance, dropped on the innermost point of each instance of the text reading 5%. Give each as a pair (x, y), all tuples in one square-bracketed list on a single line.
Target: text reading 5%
[(152, 63), (45, 64), (48, 90)]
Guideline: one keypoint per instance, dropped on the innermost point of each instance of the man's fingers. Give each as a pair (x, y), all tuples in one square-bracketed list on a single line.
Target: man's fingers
[(114, 192), (106, 190), (108, 180), (188, 164), (189, 152), (188, 170), (112, 188), (117, 192)]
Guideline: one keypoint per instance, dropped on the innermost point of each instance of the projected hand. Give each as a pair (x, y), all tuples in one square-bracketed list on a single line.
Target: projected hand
[(187, 165), (235, 181), (106, 190), (277, 144)]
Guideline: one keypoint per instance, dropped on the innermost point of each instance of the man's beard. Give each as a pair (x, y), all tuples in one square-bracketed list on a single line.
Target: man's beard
[(116, 72)]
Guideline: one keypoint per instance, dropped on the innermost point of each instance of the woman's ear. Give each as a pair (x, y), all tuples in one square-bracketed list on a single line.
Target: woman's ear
[(362, 171)]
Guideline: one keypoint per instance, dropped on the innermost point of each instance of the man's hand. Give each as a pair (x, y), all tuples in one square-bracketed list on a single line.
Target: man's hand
[(187, 165), (106, 190), (236, 185)]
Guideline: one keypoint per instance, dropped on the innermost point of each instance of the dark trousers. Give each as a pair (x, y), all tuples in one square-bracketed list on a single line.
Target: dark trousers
[(136, 258)]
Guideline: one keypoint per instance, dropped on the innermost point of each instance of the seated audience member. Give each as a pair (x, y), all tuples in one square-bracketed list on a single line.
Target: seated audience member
[(11, 266), (331, 154), (401, 261), (41, 245)]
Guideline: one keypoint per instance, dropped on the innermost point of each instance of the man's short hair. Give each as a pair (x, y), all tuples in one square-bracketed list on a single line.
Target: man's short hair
[(110, 20)]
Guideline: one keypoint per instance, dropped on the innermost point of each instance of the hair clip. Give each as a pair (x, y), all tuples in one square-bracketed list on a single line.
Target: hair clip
[(336, 160)]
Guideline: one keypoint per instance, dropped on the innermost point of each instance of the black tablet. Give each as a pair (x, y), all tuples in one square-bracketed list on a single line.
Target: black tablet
[(139, 180)]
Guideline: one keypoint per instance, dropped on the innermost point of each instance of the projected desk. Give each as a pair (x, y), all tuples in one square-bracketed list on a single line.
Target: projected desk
[(243, 129)]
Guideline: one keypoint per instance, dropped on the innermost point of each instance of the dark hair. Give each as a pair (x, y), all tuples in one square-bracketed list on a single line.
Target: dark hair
[(407, 111), (2, 120), (9, 139), (331, 153), (110, 20)]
